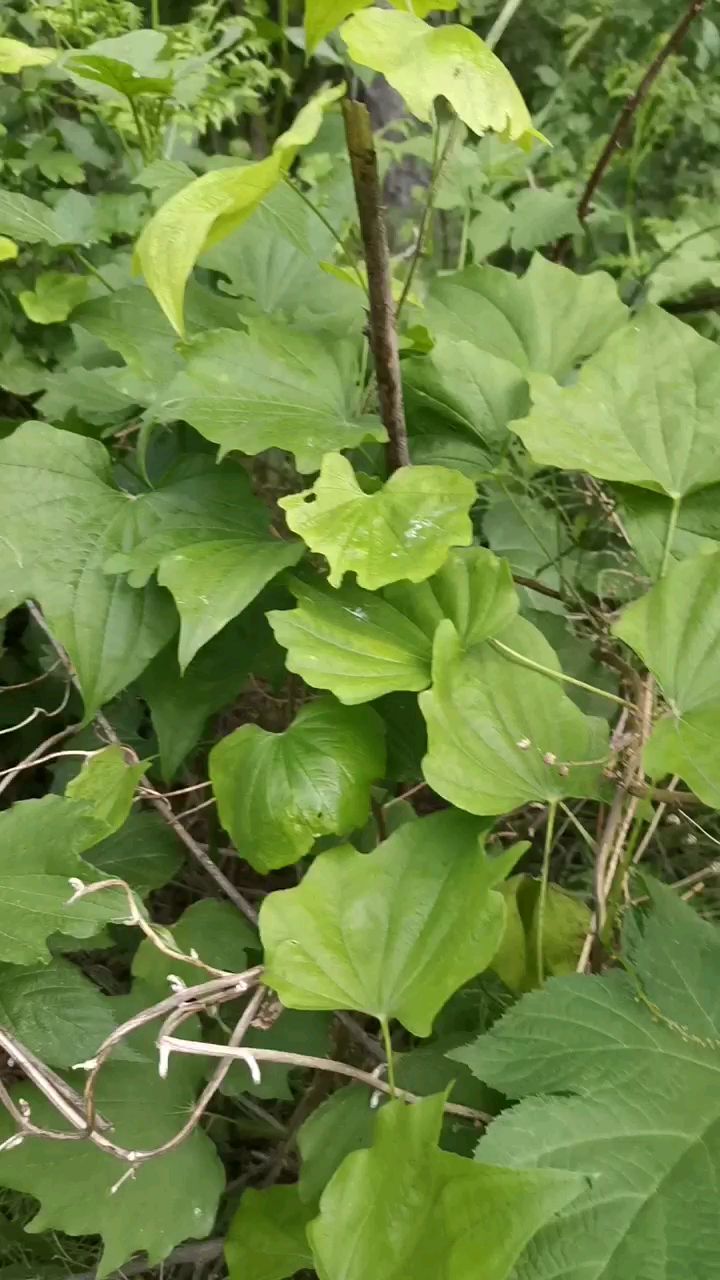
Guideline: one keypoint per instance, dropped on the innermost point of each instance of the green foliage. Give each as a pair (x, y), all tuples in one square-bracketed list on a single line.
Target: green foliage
[(310, 708)]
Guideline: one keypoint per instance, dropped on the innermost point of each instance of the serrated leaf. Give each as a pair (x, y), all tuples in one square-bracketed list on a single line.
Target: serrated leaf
[(203, 213), (501, 735), (565, 924), (40, 846), (424, 63), (392, 933), (343, 1123), (404, 530), (675, 629), (642, 410), (61, 516), (544, 322), (412, 1210), (144, 852), (171, 1197), (629, 1081), (279, 792), (15, 56), (361, 645), (541, 216), (323, 16), (212, 929), (208, 538), (267, 1239), (273, 387), (55, 1011)]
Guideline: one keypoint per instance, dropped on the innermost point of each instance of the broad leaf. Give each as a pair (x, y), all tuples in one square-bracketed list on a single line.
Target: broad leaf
[(646, 518), (323, 16), (213, 930), (118, 76), (643, 410), (55, 1011), (542, 322), (361, 645), (203, 213), (675, 629), (144, 852), (61, 515), (392, 933), (274, 387), (403, 530), (540, 217), (55, 295), (105, 786), (32, 222), (277, 793), (267, 1239), (500, 734), (40, 846), (412, 1210), (424, 63), (636, 1105), (15, 56), (171, 1197), (343, 1123), (209, 540), (565, 923)]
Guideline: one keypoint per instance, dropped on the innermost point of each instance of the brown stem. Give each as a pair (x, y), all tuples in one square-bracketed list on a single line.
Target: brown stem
[(383, 334), (629, 110)]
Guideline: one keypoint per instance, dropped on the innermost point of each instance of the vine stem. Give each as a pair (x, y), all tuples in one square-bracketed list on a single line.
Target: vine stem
[(155, 14), (383, 332), (542, 897), (560, 676), (438, 164), (387, 1041), (503, 20), (629, 110), (672, 526)]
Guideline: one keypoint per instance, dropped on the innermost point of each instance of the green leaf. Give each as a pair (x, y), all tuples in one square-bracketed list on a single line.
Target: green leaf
[(404, 530), (180, 705), (145, 853), (541, 216), (203, 213), (40, 846), (8, 249), (628, 1081), (131, 322), (308, 1033), (323, 16), (490, 228), (646, 517), (32, 222), (501, 735), (118, 76), (279, 792), (656, 383), (266, 1239), (343, 1123), (392, 933), (15, 56), (106, 786), (412, 1210), (209, 540), (273, 387), (55, 1011), (565, 923), (424, 63), (62, 516), (212, 929), (542, 322), (361, 645), (172, 1196), (675, 629)]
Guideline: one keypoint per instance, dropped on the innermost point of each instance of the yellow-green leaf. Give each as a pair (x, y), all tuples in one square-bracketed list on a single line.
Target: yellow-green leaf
[(424, 63), (323, 16), (15, 56), (8, 249)]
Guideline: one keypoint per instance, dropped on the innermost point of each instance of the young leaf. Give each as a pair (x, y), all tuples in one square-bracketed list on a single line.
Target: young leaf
[(55, 295), (55, 1011), (424, 63), (404, 530), (500, 734), (205, 212), (565, 923), (267, 1238), (8, 249), (392, 933), (412, 1210), (323, 16), (208, 538), (675, 629), (361, 645), (643, 410), (171, 1197), (542, 322), (273, 387), (61, 515), (105, 786), (277, 793), (628, 1079), (15, 56)]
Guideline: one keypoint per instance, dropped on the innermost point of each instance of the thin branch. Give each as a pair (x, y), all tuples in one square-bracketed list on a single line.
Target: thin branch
[(505, 16), (629, 110), (383, 333), (38, 757)]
